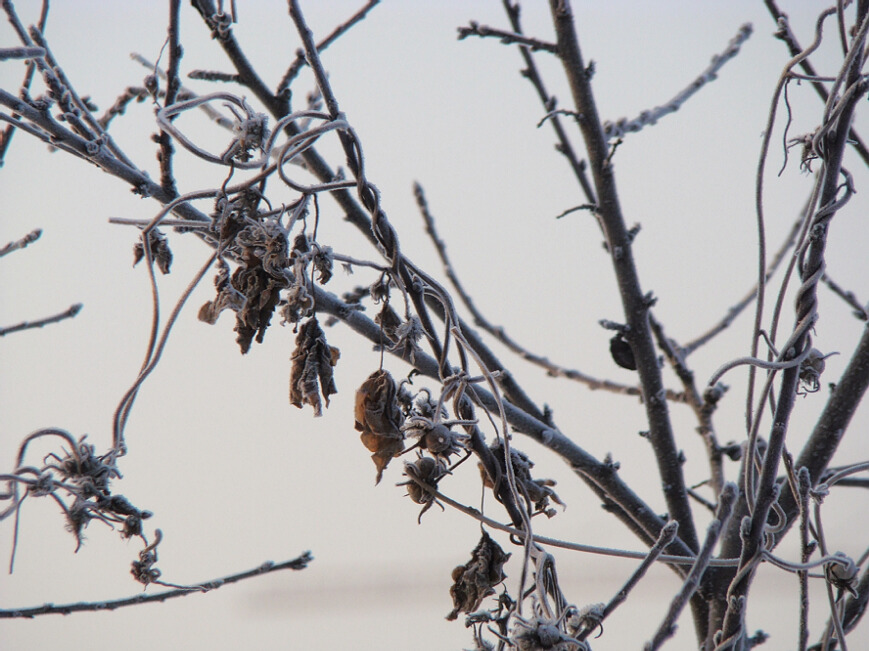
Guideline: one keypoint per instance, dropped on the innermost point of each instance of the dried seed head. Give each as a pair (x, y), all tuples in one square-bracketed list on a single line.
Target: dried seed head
[(842, 572), (811, 369), (435, 437), (428, 471)]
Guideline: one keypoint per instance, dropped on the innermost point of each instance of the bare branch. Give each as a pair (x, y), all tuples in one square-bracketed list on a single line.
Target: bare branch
[(508, 38), (552, 369), (635, 303), (860, 310), (622, 127), (29, 325), (173, 86), (30, 238), (297, 65), (666, 536), (299, 563), (7, 53)]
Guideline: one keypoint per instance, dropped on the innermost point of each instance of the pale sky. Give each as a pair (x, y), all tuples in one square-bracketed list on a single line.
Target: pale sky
[(236, 475)]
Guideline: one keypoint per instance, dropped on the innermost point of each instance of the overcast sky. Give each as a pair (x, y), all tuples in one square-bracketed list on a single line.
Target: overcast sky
[(234, 474)]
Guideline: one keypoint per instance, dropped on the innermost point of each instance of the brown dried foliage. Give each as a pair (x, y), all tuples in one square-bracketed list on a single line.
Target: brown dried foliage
[(537, 491), (311, 372), (477, 580), (160, 251), (379, 418)]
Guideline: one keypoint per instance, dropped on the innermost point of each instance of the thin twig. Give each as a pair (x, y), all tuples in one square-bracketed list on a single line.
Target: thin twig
[(727, 498), (184, 93), (530, 72), (508, 38), (28, 239), (622, 127), (664, 539), (7, 53), (552, 369), (668, 559), (860, 310), (737, 309), (703, 408), (181, 223), (787, 36), (214, 75), (173, 85), (6, 135), (28, 325), (299, 563), (804, 484), (297, 65)]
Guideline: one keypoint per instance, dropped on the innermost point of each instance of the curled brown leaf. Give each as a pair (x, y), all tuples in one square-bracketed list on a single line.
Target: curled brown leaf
[(537, 491), (477, 580), (311, 372), (378, 418)]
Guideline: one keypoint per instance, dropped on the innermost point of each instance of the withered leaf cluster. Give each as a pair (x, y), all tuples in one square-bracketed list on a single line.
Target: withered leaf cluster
[(88, 478), (477, 580), (311, 372), (253, 290), (379, 418), (537, 491), (262, 292)]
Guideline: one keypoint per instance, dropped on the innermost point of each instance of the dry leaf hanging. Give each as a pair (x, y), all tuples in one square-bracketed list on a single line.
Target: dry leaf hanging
[(160, 252), (311, 373), (379, 419), (477, 580), (536, 491)]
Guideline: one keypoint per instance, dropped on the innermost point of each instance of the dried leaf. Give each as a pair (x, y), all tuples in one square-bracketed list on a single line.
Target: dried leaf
[(159, 246), (388, 320), (477, 580), (262, 292), (227, 297), (379, 419), (537, 491), (323, 261), (313, 361)]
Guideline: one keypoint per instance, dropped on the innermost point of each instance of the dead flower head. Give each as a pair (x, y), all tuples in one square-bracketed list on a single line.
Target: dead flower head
[(428, 471)]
